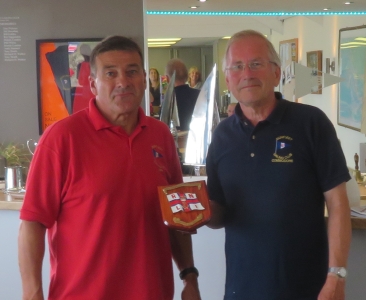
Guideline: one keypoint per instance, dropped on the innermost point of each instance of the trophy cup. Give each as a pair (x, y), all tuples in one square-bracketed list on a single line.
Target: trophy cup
[(204, 120)]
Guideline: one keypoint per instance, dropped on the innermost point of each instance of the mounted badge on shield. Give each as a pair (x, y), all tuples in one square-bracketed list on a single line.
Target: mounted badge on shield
[(185, 206)]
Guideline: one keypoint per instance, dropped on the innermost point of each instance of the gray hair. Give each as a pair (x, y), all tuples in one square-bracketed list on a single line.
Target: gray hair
[(273, 56), (177, 65)]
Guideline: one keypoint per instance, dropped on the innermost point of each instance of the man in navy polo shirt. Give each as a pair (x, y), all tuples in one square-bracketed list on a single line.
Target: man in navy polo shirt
[(271, 168)]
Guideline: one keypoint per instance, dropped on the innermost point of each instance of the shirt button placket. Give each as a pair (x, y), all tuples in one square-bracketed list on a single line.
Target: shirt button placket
[(252, 154)]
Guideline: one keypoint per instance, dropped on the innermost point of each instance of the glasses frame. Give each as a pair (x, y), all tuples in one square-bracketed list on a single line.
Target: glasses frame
[(236, 69)]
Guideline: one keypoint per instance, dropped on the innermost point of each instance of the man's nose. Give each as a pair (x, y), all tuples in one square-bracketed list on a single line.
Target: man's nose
[(122, 80)]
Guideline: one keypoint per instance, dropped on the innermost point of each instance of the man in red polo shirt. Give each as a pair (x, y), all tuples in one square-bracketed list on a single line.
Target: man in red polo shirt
[(92, 186)]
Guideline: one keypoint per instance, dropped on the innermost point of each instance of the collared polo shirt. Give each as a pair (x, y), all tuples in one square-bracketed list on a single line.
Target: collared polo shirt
[(271, 177)]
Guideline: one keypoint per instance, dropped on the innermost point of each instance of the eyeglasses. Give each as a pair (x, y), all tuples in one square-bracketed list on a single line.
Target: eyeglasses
[(254, 65)]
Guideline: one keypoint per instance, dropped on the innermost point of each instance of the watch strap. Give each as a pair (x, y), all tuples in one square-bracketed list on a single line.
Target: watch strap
[(341, 272), (187, 271)]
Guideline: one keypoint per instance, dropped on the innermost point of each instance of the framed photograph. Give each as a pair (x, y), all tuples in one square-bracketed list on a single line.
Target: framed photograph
[(352, 66), (289, 55), (62, 78), (314, 61)]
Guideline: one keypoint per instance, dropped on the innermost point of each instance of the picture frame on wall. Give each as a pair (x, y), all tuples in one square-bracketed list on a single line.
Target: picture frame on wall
[(62, 78), (288, 50), (314, 61), (352, 88)]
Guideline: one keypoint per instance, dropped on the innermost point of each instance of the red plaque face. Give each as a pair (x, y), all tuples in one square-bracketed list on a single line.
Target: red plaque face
[(185, 206)]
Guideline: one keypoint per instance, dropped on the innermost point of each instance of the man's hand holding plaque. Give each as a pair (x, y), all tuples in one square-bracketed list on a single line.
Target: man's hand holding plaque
[(185, 206)]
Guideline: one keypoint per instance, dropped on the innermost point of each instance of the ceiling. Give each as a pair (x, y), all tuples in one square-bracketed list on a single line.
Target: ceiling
[(256, 6), (205, 29)]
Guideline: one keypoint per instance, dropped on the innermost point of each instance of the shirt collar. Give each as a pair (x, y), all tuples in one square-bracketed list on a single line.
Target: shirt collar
[(274, 117), (99, 122)]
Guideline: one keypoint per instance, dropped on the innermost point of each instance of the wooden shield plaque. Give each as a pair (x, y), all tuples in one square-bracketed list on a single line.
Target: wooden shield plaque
[(185, 206)]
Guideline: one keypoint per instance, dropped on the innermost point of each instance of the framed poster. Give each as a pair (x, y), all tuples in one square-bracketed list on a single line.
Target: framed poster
[(352, 66), (288, 55), (314, 61), (62, 78)]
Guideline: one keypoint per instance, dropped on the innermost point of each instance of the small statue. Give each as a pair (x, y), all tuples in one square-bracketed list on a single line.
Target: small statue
[(356, 161), (358, 175)]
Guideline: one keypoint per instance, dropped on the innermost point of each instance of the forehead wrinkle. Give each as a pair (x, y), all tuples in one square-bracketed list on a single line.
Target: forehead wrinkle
[(114, 66)]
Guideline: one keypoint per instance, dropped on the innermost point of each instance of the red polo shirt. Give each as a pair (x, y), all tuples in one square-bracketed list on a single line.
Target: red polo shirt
[(95, 189)]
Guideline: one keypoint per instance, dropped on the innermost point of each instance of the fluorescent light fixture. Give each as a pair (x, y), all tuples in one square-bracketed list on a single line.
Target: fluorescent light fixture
[(202, 0), (194, 7), (154, 46), (164, 40), (161, 43), (360, 39), (326, 8), (348, 3), (346, 47), (354, 44), (226, 37)]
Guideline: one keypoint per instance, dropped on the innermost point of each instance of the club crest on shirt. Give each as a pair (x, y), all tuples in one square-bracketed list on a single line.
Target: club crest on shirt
[(283, 149), (157, 154)]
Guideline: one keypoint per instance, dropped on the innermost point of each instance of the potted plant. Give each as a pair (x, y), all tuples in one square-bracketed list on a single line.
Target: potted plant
[(15, 154), (16, 159)]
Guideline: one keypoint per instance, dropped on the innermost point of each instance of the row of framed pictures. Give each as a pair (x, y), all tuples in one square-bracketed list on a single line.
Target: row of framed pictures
[(352, 71)]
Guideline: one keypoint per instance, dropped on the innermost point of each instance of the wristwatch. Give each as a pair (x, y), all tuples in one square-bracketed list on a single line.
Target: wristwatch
[(339, 271), (187, 271)]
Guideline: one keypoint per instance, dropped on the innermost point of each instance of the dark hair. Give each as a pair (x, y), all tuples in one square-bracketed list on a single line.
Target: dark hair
[(113, 43)]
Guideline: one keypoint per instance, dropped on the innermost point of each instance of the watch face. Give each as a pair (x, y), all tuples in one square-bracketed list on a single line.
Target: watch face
[(342, 272)]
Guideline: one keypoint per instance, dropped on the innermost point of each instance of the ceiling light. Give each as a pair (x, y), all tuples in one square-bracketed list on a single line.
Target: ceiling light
[(164, 40), (252, 14), (226, 37), (353, 44), (153, 46), (326, 8), (161, 43), (202, 0), (347, 3), (360, 39), (194, 7)]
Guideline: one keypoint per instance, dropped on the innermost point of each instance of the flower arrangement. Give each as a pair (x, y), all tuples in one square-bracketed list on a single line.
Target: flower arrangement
[(15, 154)]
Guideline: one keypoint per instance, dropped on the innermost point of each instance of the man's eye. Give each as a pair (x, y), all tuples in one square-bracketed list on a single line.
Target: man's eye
[(238, 67), (132, 72), (110, 74), (256, 64)]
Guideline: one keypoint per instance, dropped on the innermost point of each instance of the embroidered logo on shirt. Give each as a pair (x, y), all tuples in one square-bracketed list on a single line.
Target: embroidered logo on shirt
[(283, 150), (158, 157), (184, 202), (156, 153)]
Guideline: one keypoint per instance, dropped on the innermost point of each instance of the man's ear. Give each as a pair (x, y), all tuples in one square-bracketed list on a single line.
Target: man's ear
[(277, 75), (92, 85)]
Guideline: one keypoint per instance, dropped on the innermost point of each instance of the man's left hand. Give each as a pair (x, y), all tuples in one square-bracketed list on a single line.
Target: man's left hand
[(190, 290), (333, 289)]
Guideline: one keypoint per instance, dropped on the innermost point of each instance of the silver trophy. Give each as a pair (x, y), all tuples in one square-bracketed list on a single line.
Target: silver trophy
[(204, 120)]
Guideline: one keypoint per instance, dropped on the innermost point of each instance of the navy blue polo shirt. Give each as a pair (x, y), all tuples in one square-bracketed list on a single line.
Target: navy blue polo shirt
[(271, 178), (186, 100)]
